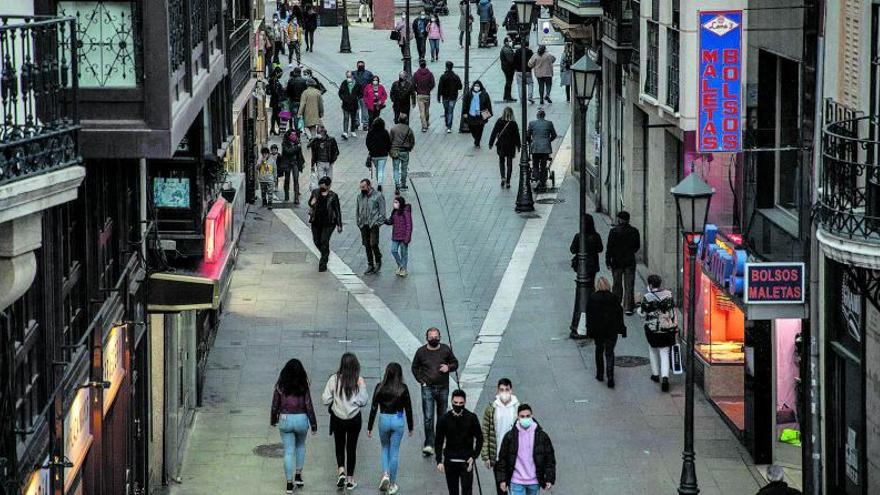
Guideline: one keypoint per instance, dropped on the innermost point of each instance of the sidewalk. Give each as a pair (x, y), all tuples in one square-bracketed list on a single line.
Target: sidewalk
[(621, 441)]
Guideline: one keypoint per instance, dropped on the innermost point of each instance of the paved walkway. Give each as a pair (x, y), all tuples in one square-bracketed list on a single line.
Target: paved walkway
[(491, 262)]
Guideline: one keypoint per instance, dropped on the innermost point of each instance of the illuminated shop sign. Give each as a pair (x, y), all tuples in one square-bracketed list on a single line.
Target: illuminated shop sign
[(114, 364), (218, 229), (38, 484), (77, 434), (723, 259), (720, 81), (774, 283)]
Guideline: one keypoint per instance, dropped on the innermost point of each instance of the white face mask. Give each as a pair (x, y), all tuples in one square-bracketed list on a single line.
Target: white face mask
[(504, 397)]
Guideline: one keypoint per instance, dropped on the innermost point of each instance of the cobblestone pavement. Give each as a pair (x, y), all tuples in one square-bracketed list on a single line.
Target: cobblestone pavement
[(621, 441)]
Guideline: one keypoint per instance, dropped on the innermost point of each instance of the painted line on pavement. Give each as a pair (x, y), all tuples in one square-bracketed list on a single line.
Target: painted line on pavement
[(483, 353)]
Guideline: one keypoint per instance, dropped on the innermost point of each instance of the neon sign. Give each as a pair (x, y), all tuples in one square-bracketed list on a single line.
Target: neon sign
[(218, 226), (720, 81), (774, 283)]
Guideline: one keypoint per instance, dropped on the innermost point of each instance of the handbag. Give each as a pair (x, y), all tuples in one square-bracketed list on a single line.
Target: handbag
[(369, 162), (395, 35), (313, 180), (485, 114), (676, 359)]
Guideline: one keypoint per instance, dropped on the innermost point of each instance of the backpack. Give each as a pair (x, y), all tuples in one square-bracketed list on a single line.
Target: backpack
[(660, 314)]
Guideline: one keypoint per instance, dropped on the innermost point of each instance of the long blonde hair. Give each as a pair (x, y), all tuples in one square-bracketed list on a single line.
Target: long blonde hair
[(602, 283), (507, 114)]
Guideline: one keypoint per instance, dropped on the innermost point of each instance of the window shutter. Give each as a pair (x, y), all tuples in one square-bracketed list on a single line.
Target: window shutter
[(850, 52)]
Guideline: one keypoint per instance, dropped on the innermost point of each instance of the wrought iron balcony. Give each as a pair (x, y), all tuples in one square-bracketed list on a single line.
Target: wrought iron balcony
[(38, 94), (238, 55), (849, 203), (617, 24)]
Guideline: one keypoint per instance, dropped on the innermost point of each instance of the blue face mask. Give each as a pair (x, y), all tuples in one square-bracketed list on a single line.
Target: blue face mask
[(525, 422)]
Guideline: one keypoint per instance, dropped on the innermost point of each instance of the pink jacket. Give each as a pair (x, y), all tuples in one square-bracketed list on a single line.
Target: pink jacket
[(369, 99), (435, 31), (402, 225)]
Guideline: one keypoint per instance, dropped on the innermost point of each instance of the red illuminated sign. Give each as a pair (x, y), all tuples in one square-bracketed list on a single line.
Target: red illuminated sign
[(720, 80), (774, 283), (218, 226)]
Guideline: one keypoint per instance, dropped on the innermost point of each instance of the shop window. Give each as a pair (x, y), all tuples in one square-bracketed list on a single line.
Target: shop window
[(720, 325), (777, 134), (789, 391)]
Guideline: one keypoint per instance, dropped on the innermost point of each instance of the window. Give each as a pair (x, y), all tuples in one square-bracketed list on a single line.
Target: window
[(672, 68), (652, 58), (636, 33), (778, 121)]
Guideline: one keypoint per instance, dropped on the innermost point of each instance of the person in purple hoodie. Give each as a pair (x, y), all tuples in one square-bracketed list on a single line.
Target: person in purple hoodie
[(293, 413), (526, 461), (401, 233)]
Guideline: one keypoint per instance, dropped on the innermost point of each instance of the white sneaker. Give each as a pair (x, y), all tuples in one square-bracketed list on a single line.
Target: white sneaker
[(345, 135), (353, 134), (403, 272), (384, 483), (428, 451), (448, 131), (394, 489)]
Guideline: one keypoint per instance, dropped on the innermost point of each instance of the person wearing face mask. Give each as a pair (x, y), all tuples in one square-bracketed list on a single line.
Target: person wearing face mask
[(431, 366), (310, 25), (542, 66), (541, 134), (401, 233), (349, 91), (478, 106), (435, 37), (498, 418), (447, 94), (325, 214), (420, 33), (403, 95), (291, 163), (507, 67), (402, 142), (423, 80), (364, 77), (524, 74), (487, 14), (459, 442), (374, 99), (370, 216), (311, 107), (526, 461), (379, 146), (404, 33), (325, 151)]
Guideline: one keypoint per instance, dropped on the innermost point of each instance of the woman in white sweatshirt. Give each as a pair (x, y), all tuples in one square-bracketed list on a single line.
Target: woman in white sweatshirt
[(346, 394)]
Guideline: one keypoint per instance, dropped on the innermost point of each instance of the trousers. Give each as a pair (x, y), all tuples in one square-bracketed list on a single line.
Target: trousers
[(424, 103), (434, 398), (294, 429), (605, 356), (659, 357), (345, 438), (391, 428), (508, 160), (544, 86), (457, 475), (449, 112), (624, 285), (400, 251), (370, 240), (321, 237)]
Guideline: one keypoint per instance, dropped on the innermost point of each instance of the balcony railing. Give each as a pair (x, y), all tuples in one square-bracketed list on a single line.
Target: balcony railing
[(617, 23), (38, 94), (238, 55), (849, 204)]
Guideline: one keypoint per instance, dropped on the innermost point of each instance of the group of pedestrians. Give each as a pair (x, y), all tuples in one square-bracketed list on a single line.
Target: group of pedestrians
[(508, 439)]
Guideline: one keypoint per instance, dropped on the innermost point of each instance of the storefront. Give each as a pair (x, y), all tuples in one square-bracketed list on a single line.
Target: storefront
[(748, 344)]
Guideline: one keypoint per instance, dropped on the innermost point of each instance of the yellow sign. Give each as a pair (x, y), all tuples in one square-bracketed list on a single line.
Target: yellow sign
[(114, 364), (77, 434)]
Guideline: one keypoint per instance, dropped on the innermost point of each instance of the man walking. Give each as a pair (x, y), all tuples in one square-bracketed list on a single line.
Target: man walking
[(370, 216), (459, 442), (541, 134), (526, 461), (508, 67), (296, 86), (524, 73), (487, 15), (447, 94), (431, 366), (403, 95), (420, 33), (423, 80), (498, 418), (325, 151), (620, 256), (364, 77), (311, 108), (350, 92), (402, 142), (325, 214)]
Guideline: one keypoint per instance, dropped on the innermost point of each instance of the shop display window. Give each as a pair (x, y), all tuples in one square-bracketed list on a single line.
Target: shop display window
[(789, 398), (720, 325)]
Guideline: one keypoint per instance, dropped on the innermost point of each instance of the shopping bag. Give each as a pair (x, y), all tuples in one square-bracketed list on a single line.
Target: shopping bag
[(313, 180), (676, 359)]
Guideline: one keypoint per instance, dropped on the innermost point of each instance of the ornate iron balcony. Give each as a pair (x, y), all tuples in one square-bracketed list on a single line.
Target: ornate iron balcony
[(849, 203), (38, 94)]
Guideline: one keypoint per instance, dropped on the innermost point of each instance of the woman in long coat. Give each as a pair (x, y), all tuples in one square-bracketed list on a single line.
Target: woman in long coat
[(506, 135), (604, 324)]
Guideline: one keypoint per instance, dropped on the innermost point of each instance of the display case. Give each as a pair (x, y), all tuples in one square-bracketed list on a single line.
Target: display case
[(720, 325)]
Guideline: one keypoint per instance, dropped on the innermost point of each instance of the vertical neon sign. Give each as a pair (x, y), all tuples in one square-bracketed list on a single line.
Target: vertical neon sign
[(720, 82)]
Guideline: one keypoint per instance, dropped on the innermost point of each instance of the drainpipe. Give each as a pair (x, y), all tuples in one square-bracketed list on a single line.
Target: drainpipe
[(815, 317), (142, 185)]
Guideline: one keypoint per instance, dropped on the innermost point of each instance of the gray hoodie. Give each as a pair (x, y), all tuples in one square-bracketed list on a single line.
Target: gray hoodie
[(370, 209)]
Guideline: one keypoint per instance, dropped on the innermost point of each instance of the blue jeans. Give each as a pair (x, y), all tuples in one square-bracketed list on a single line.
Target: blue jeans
[(401, 165), (516, 489), (390, 434), (362, 118), (449, 112), (435, 48), (294, 430), (434, 398), (400, 251), (379, 163)]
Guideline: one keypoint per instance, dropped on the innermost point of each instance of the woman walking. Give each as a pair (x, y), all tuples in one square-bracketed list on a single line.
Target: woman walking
[(658, 308), (311, 24), (604, 324), (401, 233), (293, 413), (378, 146), (391, 399), (374, 98), (506, 135), (478, 106), (594, 247), (346, 394), (435, 36)]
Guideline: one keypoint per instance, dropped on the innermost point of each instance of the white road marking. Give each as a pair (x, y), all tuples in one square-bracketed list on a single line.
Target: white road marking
[(475, 372)]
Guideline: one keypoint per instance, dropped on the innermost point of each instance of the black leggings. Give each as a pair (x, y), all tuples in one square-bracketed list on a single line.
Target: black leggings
[(501, 162), (310, 41), (345, 435)]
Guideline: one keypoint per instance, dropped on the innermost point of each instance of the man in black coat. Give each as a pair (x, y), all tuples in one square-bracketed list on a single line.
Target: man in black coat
[(620, 257), (447, 94), (519, 67), (403, 95), (295, 87), (457, 445), (507, 67), (543, 472)]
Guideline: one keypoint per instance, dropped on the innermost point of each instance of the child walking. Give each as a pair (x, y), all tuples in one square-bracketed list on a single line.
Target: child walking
[(266, 176)]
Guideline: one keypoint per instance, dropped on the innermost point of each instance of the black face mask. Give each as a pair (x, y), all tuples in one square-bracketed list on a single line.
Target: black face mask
[(363, 193), (360, 67), (433, 342), (457, 409)]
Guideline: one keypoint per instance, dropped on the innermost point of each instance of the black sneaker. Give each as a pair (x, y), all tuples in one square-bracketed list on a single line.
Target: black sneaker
[(655, 378), (548, 99), (340, 482), (611, 383), (289, 490), (351, 485), (665, 385), (600, 377), (298, 479), (322, 268), (370, 270)]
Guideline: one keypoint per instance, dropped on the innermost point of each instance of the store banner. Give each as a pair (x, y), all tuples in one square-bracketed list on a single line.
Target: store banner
[(720, 81), (774, 283)]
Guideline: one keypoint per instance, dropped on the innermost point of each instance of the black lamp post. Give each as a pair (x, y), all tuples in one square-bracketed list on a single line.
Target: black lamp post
[(524, 200), (345, 42), (407, 58), (585, 73), (692, 199), (463, 124)]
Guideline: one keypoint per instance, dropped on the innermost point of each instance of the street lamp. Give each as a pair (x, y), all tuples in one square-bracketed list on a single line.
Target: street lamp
[(524, 200), (692, 199), (585, 74), (407, 58), (345, 42), (463, 124)]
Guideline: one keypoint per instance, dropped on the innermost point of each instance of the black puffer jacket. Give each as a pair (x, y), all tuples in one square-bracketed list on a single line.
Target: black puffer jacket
[(623, 244), (544, 456), (378, 141)]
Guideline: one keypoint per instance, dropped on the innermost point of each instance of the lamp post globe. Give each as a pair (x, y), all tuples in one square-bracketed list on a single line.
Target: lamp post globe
[(692, 200)]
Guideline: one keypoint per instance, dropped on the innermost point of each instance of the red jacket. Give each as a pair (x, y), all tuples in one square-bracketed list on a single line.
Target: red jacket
[(423, 81), (369, 99), (402, 225)]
